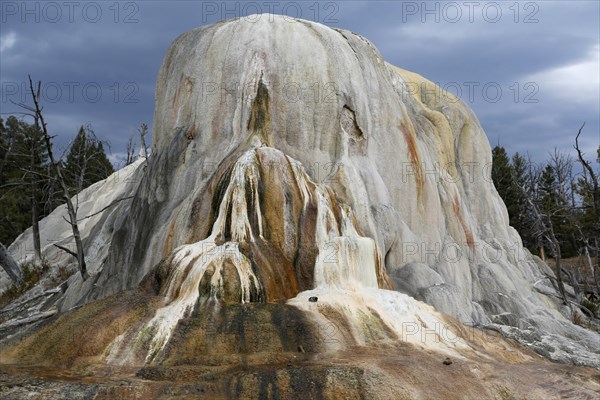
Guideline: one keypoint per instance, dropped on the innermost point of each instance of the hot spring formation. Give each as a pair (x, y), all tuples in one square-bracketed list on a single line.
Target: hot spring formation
[(368, 192)]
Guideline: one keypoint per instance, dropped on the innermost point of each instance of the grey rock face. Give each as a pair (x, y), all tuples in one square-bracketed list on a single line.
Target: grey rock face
[(411, 162)]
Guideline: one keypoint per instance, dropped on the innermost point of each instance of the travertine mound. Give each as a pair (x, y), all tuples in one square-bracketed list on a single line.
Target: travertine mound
[(290, 159)]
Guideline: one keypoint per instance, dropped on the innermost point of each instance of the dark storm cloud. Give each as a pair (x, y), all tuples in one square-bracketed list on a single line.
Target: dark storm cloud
[(550, 59)]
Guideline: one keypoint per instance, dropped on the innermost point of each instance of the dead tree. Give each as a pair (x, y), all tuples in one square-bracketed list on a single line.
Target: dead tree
[(130, 151), (590, 178), (143, 149), (555, 246), (573, 278), (563, 167), (10, 266), (585, 253), (596, 278), (35, 214), (544, 229), (41, 126), (529, 190), (28, 158), (593, 178)]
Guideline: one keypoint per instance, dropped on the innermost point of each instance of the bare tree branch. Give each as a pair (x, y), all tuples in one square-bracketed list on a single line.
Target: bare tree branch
[(65, 250), (41, 124), (107, 207), (10, 266), (143, 149)]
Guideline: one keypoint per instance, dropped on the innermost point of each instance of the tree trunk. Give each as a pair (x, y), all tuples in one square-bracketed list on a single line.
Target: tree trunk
[(575, 284), (10, 266), (542, 253), (75, 228), (595, 267), (593, 177), (41, 125), (557, 256), (143, 149), (35, 227), (590, 264)]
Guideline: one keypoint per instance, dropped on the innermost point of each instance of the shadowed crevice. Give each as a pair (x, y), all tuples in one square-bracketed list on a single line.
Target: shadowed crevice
[(259, 122)]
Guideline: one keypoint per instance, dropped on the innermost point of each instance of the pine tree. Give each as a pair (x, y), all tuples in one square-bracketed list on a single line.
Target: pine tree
[(28, 185), (587, 216), (86, 163), (555, 202), (22, 177), (521, 217), (503, 178), (548, 190), (100, 167), (4, 149)]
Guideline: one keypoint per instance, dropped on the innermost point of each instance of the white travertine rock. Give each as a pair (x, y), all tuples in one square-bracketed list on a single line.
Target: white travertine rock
[(410, 162), (102, 207)]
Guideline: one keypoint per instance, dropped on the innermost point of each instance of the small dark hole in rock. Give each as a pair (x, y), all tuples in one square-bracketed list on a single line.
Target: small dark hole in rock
[(313, 299)]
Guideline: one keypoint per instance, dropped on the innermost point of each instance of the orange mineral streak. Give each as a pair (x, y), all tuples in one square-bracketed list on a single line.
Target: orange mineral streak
[(184, 88), (274, 271), (409, 136), (383, 280), (466, 229), (168, 248)]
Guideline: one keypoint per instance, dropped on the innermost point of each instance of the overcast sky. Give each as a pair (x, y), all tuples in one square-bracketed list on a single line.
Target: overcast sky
[(530, 70)]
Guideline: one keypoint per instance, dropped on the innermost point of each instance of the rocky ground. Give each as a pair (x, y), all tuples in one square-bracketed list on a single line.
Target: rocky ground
[(391, 372), (267, 351)]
